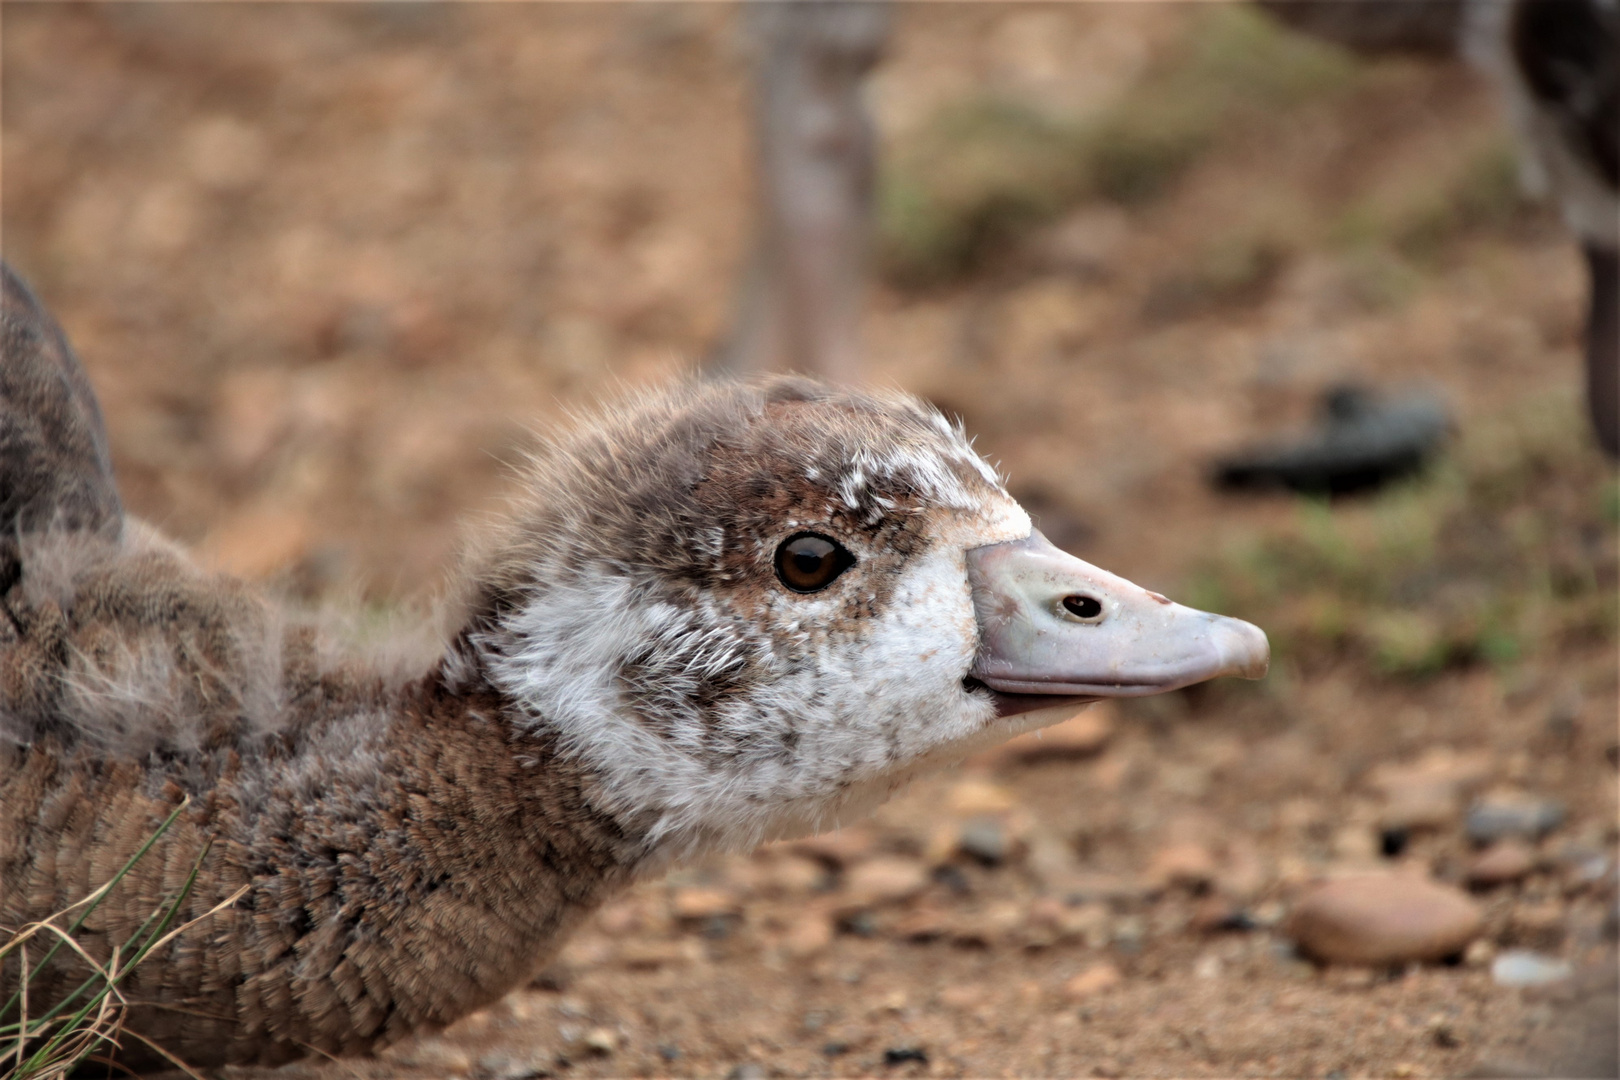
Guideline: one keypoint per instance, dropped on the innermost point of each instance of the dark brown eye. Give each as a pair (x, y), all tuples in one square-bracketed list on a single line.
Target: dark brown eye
[(809, 563)]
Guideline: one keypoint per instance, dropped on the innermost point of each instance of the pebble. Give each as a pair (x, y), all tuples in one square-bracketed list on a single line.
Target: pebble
[(1217, 913), (795, 874), (1503, 816), (808, 935), (1520, 967), (640, 954), (1479, 953), (924, 924), (1383, 919), (1503, 862), (985, 839), (504, 1065), (1086, 887), (1540, 923), (697, 903), (899, 1055), (961, 996), (843, 848), (1418, 803), (1092, 981), (1426, 793), (975, 795), (751, 1070), (1186, 864), (884, 881), (601, 1041)]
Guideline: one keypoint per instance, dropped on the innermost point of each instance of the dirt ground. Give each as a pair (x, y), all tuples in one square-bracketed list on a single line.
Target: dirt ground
[(329, 266)]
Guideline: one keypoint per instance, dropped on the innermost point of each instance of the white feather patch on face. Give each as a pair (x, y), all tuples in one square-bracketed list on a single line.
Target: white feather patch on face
[(828, 725)]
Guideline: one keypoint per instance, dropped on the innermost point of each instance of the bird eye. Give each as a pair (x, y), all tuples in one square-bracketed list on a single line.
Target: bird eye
[(1082, 606), (809, 563)]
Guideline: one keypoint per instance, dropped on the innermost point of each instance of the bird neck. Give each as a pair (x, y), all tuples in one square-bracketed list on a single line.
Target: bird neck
[(403, 868)]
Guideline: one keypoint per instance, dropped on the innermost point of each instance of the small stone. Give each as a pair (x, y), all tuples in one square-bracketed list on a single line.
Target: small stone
[(1216, 913), (975, 795), (924, 924), (1442, 1033), (748, 1070), (640, 954), (1186, 864), (436, 1055), (601, 1041), (1503, 862), (961, 997), (893, 1002), (900, 1055), (698, 905), (669, 1051), (1427, 793), (843, 848), (809, 935), (1417, 804), (1479, 953), (1383, 919), (501, 1065), (1540, 924), (1504, 816), (884, 881), (1088, 887), (993, 926), (985, 839), (794, 875), (1357, 843), (1092, 981), (861, 923), (1520, 967)]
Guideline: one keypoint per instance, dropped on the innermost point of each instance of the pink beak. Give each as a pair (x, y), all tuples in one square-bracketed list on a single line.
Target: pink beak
[(1053, 627)]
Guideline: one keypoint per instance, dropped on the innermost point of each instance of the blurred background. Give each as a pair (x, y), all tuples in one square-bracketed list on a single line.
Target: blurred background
[(330, 266)]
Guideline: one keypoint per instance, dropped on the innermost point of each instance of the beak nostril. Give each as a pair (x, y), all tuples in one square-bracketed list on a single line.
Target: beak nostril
[(1082, 607)]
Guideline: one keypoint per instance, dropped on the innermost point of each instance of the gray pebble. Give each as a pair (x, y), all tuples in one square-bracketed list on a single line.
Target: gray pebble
[(1521, 967), (985, 839), (1498, 819)]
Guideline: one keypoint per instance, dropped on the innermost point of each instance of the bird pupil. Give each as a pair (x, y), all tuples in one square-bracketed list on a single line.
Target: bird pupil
[(807, 562)]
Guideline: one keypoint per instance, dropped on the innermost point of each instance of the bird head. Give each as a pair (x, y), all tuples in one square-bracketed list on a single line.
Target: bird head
[(756, 610)]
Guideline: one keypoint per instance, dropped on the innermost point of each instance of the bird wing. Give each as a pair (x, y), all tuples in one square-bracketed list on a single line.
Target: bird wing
[(55, 469)]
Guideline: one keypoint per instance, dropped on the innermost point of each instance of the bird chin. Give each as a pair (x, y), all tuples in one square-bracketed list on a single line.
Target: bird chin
[(1051, 708)]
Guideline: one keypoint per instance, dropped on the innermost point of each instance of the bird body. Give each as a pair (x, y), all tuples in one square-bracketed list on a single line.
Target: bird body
[(718, 613)]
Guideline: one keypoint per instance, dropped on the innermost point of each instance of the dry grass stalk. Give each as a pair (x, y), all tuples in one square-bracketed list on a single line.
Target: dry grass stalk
[(51, 1045)]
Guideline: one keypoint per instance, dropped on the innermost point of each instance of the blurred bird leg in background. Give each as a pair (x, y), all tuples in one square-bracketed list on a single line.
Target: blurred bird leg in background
[(1556, 64), (1421, 27), (800, 298)]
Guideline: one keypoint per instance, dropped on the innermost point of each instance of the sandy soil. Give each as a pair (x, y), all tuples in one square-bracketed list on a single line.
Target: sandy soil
[(329, 266)]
